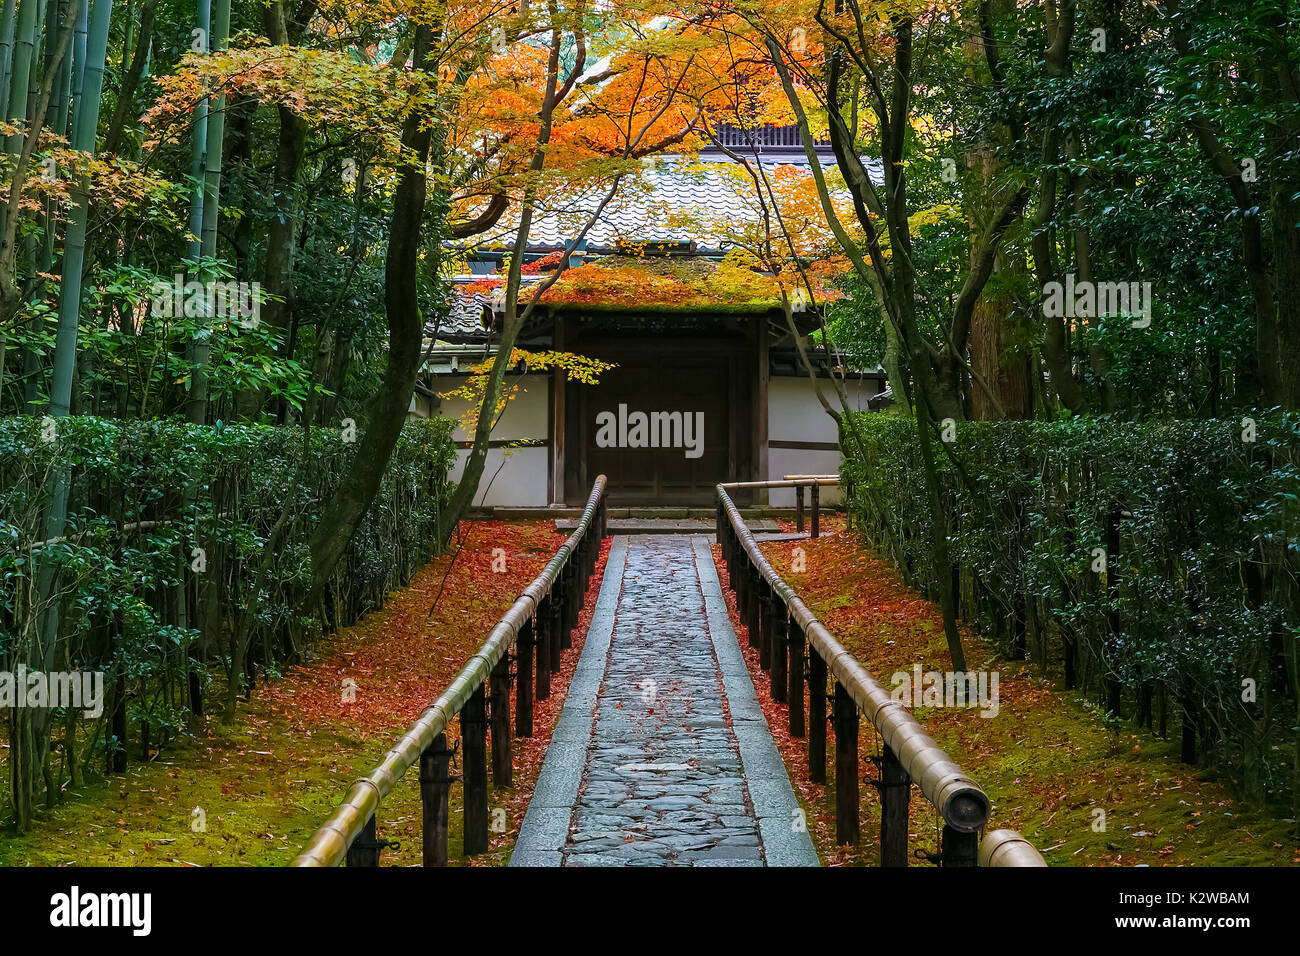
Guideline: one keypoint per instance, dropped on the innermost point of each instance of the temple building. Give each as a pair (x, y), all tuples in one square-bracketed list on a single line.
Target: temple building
[(708, 383)]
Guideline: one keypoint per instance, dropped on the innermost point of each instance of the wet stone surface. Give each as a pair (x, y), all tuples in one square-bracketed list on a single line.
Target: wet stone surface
[(663, 783)]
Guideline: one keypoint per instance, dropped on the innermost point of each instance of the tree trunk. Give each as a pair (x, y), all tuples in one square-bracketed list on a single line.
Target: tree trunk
[(198, 149), (405, 342), (282, 229), (1000, 363), (85, 125), (131, 81), (26, 40), (8, 27), (512, 322)]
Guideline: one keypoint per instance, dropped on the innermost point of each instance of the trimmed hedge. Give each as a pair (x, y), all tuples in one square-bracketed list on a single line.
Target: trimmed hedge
[(1197, 607), (187, 548)]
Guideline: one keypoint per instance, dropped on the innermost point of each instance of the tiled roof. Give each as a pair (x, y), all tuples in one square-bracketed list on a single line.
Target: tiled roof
[(656, 207), (465, 321), (664, 204)]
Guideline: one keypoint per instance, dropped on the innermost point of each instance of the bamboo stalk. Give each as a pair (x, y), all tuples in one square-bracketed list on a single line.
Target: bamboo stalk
[(214, 141), (20, 74)]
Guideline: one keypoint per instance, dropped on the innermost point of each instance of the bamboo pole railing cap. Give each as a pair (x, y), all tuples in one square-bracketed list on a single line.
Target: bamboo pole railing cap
[(960, 801), (794, 483), (1008, 848)]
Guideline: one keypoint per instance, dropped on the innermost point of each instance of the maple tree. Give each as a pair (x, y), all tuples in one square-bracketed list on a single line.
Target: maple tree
[(577, 368)]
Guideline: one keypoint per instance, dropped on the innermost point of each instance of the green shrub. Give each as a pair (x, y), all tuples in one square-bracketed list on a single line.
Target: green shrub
[(186, 547), (1198, 601)]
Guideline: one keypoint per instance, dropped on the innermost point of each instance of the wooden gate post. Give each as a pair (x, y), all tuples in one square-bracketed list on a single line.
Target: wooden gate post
[(572, 607), (579, 563), (500, 711), (733, 558), (816, 717), (473, 735), (364, 850), (524, 647), (545, 629), (798, 508), (895, 795), (846, 766), (435, 788), (559, 614), (816, 519), (742, 592), (745, 579), (776, 624), (958, 848), (794, 698), (746, 598)]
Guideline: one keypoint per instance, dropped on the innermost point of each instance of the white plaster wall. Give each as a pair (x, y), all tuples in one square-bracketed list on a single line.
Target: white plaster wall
[(419, 407), (795, 414), (525, 414), (521, 482)]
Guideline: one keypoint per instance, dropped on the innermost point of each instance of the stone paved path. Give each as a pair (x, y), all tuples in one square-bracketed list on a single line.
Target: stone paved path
[(662, 756)]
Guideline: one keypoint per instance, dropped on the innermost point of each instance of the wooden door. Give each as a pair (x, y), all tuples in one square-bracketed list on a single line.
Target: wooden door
[(657, 378)]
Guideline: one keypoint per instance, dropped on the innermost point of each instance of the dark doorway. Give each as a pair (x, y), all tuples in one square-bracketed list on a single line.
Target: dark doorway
[(692, 377)]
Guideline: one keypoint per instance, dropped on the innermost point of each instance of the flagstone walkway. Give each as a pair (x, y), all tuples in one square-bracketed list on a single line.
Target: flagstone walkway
[(662, 756)]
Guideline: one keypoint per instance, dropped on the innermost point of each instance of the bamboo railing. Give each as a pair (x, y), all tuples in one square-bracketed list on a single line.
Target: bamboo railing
[(781, 626), (538, 627)]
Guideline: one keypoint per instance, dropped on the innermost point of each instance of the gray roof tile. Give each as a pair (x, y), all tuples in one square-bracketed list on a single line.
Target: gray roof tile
[(659, 206)]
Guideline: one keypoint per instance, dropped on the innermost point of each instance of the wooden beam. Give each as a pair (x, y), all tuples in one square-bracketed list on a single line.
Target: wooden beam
[(552, 428), (734, 403), (760, 413)]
